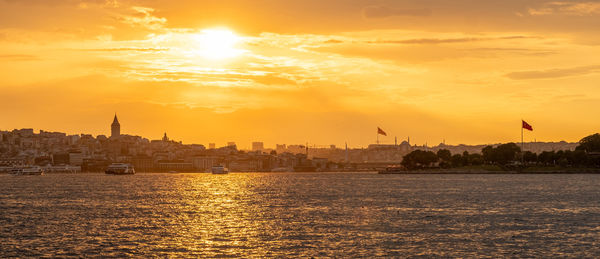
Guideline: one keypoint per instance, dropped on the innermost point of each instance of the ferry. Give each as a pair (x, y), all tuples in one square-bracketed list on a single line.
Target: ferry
[(219, 169), (120, 168), (27, 170), (392, 170)]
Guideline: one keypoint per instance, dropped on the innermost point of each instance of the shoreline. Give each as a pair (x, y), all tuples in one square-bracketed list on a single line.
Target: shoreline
[(582, 171)]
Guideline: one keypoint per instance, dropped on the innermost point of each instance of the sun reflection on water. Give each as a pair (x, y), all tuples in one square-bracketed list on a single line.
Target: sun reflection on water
[(219, 215)]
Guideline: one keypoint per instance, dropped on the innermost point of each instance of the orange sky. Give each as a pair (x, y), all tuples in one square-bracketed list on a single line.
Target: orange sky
[(323, 72)]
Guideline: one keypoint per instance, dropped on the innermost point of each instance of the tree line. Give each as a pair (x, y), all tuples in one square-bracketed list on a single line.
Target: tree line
[(586, 154)]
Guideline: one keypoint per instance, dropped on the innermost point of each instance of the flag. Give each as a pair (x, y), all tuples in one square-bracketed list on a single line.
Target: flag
[(381, 132), (527, 126)]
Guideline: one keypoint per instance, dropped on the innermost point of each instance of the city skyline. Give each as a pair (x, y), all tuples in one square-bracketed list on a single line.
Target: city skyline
[(323, 72), (115, 131)]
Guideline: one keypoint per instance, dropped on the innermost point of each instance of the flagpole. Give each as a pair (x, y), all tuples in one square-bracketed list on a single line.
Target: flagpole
[(522, 143)]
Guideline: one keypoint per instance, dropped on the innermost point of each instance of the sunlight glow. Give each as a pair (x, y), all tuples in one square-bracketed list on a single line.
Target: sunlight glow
[(218, 44)]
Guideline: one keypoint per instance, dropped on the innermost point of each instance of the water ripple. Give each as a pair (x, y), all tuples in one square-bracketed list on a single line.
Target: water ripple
[(299, 215)]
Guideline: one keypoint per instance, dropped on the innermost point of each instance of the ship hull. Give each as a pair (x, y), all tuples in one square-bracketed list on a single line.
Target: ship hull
[(118, 173), (120, 169), (305, 169), (219, 170)]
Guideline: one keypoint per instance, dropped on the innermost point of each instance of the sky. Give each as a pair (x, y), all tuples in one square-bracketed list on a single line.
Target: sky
[(322, 72)]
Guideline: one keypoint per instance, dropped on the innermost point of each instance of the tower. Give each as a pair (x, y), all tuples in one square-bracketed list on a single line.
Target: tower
[(346, 158), (115, 128)]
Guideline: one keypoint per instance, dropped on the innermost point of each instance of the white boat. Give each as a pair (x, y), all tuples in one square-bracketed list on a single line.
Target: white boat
[(27, 170), (282, 169), (219, 169), (62, 169), (120, 168)]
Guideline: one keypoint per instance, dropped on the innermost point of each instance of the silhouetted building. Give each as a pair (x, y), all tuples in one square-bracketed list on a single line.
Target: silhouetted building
[(204, 163), (257, 146), (94, 165), (75, 158), (174, 165), (115, 128), (143, 163), (60, 159)]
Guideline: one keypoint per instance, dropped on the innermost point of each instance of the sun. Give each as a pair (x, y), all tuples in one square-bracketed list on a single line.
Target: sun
[(217, 44)]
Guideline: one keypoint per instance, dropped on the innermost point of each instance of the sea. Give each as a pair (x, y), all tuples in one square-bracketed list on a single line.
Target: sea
[(343, 215)]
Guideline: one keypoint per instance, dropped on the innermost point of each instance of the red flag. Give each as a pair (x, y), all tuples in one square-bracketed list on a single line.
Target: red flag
[(527, 126), (381, 132)]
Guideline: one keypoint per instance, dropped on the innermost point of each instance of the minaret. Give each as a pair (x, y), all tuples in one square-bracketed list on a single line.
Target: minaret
[(115, 128), (347, 160)]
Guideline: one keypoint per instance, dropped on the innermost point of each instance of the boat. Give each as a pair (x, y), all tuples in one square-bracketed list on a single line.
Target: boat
[(282, 169), (120, 169), (27, 170), (219, 169), (393, 170), (62, 169), (305, 168)]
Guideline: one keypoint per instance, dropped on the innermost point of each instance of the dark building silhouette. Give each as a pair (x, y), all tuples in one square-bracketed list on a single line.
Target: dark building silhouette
[(115, 128)]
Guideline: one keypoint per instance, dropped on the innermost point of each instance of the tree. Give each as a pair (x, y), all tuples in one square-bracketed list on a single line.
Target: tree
[(546, 157), (530, 157), (465, 157), (444, 155), (507, 153), (502, 154), (456, 160), (488, 154), (419, 159), (475, 159), (590, 143), (580, 158)]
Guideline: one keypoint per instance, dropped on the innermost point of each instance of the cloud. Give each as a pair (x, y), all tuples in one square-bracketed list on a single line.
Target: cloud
[(442, 40), (129, 49), (386, 11), (332, 41), (520, 51), (567, 8), (553, 73), (143, 17), (19, 57)]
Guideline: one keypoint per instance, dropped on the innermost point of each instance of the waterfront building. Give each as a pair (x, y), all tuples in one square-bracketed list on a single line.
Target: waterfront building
[(204, 163), (257, 146), (75, 158), (280, 148)]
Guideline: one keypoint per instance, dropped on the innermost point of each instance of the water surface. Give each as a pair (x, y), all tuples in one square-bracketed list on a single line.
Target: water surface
[(299, 215)]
